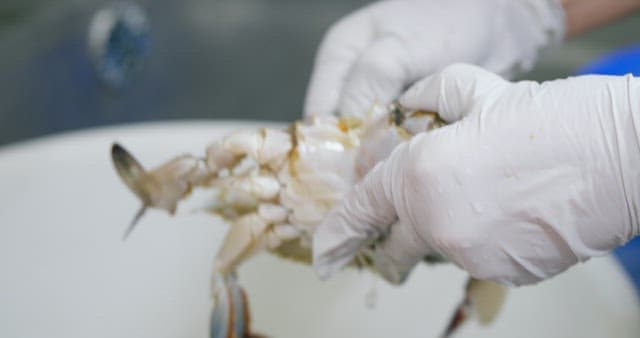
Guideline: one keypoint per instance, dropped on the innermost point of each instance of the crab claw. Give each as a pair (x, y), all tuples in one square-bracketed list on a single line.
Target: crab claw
[(230, 317), (160, 188), (131, 172)]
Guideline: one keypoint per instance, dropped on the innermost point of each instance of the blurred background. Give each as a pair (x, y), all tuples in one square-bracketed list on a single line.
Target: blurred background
[(204, 59), (211, 59)]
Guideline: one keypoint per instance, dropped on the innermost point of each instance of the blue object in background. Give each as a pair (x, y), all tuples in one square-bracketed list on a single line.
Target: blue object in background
[(629, 256), (118, 41), (621, 62)]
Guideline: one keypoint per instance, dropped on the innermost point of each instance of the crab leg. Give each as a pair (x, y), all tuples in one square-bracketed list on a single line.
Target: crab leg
[(482, 300), (234, 323), (247, 235), (165, 186), (250, 231), (162, 187)]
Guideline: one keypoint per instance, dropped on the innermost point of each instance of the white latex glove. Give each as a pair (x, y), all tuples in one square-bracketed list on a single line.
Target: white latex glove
[(533, 179), (373, 54)]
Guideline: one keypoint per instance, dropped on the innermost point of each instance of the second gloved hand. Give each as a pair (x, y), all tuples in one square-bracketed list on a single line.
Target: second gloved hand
[(533, 179), (371, 55)]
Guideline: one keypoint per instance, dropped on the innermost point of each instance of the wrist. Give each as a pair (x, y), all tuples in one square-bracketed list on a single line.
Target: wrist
[(585, 15)]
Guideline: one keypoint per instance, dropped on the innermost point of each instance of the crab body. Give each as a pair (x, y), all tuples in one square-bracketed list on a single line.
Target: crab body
[(274, 187)]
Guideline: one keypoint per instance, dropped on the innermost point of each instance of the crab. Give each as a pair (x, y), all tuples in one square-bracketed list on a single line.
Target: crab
[(274, 186)]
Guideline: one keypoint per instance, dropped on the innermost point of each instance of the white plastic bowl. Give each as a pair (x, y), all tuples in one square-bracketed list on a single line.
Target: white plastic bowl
[(67, 273)]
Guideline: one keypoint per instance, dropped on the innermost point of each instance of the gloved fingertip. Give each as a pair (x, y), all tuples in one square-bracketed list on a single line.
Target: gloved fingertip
[(320, 103), (452, 90), (323, 271), (398, 253), (422, 95), (326, 268), (326, 264), (332, 249), (386, 268)]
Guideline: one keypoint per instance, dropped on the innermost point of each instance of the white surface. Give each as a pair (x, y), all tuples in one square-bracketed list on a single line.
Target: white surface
[(66, 272)]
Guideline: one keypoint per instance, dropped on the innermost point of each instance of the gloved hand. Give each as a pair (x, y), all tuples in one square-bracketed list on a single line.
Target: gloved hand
[(371, 55), (534, 178)]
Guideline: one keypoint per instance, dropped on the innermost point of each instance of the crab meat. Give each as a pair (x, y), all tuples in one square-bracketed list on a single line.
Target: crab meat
[(274, 187)]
